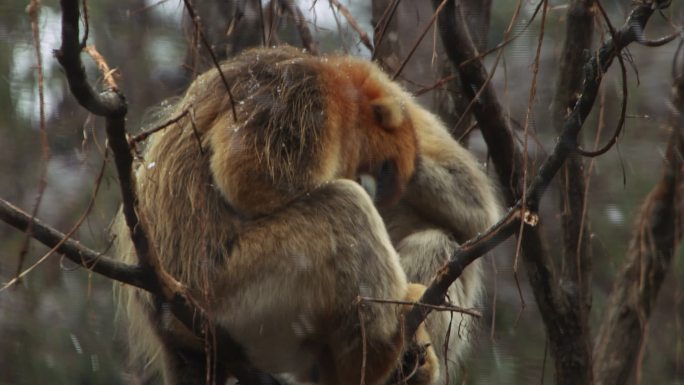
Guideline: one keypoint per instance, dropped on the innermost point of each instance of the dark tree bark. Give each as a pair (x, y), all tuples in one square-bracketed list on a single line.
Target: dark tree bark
[(576, 260), (394, 42), (575, 263), (656, 237)]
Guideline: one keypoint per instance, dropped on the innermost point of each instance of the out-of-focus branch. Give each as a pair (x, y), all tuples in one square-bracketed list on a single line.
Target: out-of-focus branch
[(112, 105), (107, 103), (486, 109), (576, 256), (33, 10), (228, 352), (107, 73), (571, 359), (579, 31), (72, 249), (214, 58), (149, 274), (363, 36), (656, 236), (300, 22)]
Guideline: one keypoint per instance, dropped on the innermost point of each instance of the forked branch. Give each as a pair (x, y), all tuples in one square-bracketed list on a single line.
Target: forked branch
[(148, 274), (595, 67)]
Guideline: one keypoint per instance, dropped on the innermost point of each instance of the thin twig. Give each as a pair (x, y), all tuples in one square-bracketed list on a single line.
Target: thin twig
[(272, 21), (340, 31), (300, 22), (145, 134), (383, 23), (363, 36), (484, 88), (33, 10), (445, 353), (420, 38), (436, 85), (198, 27), (193, 124), (478, 246), (525, 152), (107, 73), (74, 228), (142, 9), (72, 249), (364, 345), (625, 93), (449, 308), (661, 41), (262, 23)]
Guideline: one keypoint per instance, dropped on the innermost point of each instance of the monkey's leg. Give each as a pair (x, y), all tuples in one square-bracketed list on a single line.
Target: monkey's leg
[(422, 254), (182, 354), (289, 288)]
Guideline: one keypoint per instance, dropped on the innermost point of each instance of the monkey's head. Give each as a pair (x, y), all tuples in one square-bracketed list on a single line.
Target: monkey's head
[(378, 145)]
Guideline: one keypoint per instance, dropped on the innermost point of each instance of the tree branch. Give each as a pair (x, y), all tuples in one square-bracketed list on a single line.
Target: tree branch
[(576, 253), (575, 269), (74, 250), (551, 301), (656, 236), (228, 351), (148, 275), (302, 28), (107, 103)]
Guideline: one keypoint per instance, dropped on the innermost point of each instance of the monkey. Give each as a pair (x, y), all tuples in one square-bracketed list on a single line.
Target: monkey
[(328, 183), (266, 204)]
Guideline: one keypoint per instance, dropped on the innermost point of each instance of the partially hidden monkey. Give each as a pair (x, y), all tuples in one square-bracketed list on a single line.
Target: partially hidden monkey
[(263, 219)]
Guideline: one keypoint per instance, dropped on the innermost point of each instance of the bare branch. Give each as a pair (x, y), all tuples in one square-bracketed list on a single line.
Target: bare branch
[(198, 27), (576, 258), (449, 308), (32, 10), (107, 73), (420, 38), (70, 233), (148, 275), (74, 250), (661, 41), (657, 234), (300, 22), (381, 26), (187, 311), (107, 103), (542, 277), (145, 134), (353, 23)]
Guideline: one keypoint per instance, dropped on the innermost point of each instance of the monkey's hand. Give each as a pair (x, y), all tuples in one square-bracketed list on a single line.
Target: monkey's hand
[(419, 364)]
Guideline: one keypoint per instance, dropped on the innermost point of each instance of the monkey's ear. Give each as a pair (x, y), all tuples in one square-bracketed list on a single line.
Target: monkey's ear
[(388, 113)]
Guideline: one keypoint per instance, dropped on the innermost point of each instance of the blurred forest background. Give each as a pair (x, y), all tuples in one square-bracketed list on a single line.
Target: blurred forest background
[(58, 325)]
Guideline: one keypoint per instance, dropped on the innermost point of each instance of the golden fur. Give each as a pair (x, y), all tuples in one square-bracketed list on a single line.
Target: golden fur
[(448, 201), (263, 221), (303, 121)]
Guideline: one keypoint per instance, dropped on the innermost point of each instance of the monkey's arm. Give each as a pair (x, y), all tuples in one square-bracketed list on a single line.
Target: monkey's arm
[(449, 189), (448, 201)]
